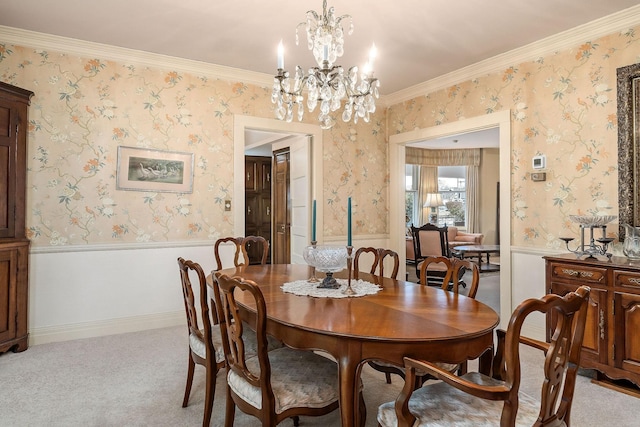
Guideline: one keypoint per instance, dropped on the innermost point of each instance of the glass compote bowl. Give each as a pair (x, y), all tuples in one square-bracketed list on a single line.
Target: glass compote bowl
[(327, 259)]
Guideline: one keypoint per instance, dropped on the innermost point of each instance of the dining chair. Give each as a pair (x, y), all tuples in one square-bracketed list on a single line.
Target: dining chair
[(379, 255), (243, 247), (275, 385), (448, 273), (429, 241), (478, 399), (205, 343), (460, 268), (450, 283)]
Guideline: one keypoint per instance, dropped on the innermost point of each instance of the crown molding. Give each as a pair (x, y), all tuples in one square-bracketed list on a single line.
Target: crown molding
[(565, 40), (68, 45)]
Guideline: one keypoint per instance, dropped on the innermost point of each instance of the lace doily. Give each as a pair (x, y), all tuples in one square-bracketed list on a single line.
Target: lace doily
[(304, 288)]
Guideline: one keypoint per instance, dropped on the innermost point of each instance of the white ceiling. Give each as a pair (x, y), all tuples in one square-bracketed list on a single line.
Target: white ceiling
[(417, 40)]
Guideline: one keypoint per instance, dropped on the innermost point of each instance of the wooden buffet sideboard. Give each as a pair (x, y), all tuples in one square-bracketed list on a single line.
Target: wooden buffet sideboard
[(611, 343)]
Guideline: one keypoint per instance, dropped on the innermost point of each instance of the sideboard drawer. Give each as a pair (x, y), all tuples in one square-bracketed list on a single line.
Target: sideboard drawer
[(627, 279), (579, 273)]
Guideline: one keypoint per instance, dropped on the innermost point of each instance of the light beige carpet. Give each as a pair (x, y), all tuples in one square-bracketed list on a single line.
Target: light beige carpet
[(137, 379)]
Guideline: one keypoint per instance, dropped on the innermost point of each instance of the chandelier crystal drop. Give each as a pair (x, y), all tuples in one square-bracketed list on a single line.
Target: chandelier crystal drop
[(328, 86)]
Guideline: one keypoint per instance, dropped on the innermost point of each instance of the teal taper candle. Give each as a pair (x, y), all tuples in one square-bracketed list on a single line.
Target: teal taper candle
[(313, 222), (349, 222)]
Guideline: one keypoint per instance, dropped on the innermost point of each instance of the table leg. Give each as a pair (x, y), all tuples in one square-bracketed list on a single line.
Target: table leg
[(485, 361), (349, 378)]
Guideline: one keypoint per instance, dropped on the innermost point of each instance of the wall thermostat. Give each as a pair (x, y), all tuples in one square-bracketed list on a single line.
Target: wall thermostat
[(539, 162)]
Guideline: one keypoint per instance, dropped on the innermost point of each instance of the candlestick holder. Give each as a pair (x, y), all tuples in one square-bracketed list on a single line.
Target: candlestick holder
[(313, 278), (349, 290), (591, 248)]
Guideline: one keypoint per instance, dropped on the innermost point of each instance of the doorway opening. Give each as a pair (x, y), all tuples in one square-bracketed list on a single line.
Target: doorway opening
[(306, 180), (397, 144)]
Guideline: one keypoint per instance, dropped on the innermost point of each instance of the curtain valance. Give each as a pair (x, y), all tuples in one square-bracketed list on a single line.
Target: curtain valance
[(426, 157)]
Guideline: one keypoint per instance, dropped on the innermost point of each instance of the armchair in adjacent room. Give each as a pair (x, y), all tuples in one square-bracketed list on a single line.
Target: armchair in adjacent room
[(458, 237)]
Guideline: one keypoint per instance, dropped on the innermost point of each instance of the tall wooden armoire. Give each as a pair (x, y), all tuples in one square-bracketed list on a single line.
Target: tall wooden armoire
[(14, 245)]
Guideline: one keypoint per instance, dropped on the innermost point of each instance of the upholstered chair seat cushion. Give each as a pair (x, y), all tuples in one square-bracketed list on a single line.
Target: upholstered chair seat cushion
[(251, 348), (439, 404), (198, 347), (298, 378)]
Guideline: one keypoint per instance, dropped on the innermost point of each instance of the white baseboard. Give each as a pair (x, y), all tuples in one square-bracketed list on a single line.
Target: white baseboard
[(105, 327)]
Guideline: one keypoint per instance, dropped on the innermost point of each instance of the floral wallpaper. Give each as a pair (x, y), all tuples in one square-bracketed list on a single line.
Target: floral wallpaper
[(84, 108), (563, 106)]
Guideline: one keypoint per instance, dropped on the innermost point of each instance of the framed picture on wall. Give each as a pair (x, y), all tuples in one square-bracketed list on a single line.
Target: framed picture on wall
[(146, 169)]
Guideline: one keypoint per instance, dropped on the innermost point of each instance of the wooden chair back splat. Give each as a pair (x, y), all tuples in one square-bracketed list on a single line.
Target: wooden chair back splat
[(242, 248), (379, 254)]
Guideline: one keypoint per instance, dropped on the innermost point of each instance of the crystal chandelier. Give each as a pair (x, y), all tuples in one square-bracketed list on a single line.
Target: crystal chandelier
[(326, 84)]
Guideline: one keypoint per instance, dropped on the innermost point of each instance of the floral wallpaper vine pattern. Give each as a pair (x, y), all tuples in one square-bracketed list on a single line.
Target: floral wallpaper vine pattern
[(84, 108), (562, 105)]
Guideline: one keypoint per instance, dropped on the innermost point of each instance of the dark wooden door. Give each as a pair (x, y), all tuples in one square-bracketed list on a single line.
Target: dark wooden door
[(257, 203), (281, 208)]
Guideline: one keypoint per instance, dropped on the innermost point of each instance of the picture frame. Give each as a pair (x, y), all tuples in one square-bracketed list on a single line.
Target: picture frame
[(147, 169)]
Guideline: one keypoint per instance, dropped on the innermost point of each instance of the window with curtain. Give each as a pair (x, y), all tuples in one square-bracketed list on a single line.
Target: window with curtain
[(469, 161), (411, 195), (452, 187)]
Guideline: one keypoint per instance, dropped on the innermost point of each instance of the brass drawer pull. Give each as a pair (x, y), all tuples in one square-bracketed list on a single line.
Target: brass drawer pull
[(634, 280), (581, 273), (570, 272)]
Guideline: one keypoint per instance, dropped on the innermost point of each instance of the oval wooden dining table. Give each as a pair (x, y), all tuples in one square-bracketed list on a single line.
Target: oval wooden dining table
[(402, 319)]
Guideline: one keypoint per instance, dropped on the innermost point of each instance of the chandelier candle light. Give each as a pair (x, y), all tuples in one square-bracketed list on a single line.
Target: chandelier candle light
[(327, 83)]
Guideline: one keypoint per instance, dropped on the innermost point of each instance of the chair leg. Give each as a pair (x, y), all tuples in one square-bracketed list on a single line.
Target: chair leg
[(187, 389), (387, 375), (209, 394), (296, 420), (230, 410)]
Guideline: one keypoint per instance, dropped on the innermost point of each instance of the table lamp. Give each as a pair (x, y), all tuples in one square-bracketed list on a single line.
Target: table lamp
[(433, 201)]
